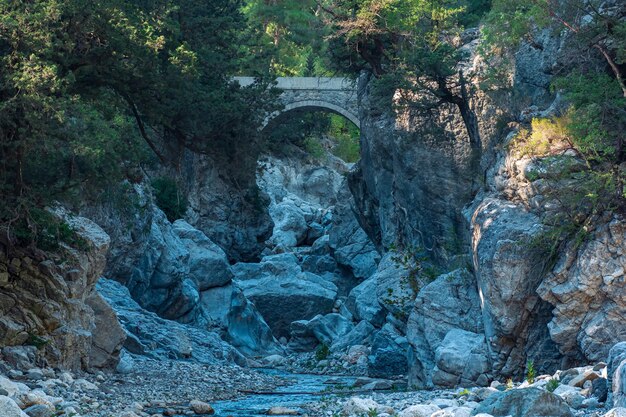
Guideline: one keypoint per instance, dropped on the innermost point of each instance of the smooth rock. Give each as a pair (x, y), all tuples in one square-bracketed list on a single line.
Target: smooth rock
[(200, 407), (527, 402), (420, 410)]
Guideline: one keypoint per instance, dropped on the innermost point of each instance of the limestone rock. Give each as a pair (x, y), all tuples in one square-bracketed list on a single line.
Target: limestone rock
[(283, 293), (388, 357), (60, 321), (587, 292), (396, 284), (108, 336), (158, 337), (8, 408), (329, 328), (508, 273), (200, 407), (362, 304), (617, 355), (461, 360), (208, 264), (351, 245), (419, 410), (527, 402), (450, 302), (356, 406), (361, 334)]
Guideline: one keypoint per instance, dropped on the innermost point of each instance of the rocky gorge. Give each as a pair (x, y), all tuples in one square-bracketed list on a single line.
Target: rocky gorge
[(421, 268)]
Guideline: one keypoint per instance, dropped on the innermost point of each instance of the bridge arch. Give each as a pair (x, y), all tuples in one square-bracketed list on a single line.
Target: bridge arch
[(314, 105), (334, 94)]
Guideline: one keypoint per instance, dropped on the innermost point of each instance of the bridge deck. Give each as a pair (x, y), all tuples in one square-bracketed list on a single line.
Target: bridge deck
[(307, 83)]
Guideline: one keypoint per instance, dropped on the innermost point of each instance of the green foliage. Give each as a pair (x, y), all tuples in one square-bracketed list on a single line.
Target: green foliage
[(314, 148), (463, 392), (37, 341), (170, 198), (91, 91), (46, 231), (552, 384), (322, 352), (346, 137), (530, 372)]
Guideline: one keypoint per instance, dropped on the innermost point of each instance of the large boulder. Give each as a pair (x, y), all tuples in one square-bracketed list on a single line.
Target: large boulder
[(450, 302), (327, 329), (361, 334), (247, 330), (363, 305), (283, 293), (290, 226), (461, 360), (108, 335), (148, 334), (208, 264), (586, 289), (8, 408), (526, 402), (388, 357)]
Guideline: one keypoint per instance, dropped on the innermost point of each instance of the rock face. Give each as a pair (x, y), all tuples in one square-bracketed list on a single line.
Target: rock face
[(448, 303), (508, 272), (151, 335), (45, 299), (587, 290), (351, 245), (616, 375)]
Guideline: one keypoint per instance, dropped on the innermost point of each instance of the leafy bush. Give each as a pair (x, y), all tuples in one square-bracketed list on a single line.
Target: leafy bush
[(531, 373), (552, 384), (314, 148), (46, 231), (322, 352), (169, 198)]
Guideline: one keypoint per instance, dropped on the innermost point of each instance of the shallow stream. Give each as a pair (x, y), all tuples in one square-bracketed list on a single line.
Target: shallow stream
[(305, 389)]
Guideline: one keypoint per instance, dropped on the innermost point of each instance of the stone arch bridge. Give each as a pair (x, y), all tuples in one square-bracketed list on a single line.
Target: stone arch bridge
[(338, 95)]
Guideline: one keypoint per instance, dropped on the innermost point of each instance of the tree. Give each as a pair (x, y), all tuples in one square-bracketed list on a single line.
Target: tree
[(80, 81), (415, 41)]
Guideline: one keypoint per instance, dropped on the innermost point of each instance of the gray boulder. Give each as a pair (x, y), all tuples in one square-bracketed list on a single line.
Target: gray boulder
[(247, 330), (361, 334), (108, 335), (148, 334), (283, 293), (461, 360), (589, 313), (388, 357), (450, 302), (8, 408), (208, 264), (290, 226), (330, 327), (302, 338), (363, 305), (42, 296), (527, 402)]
